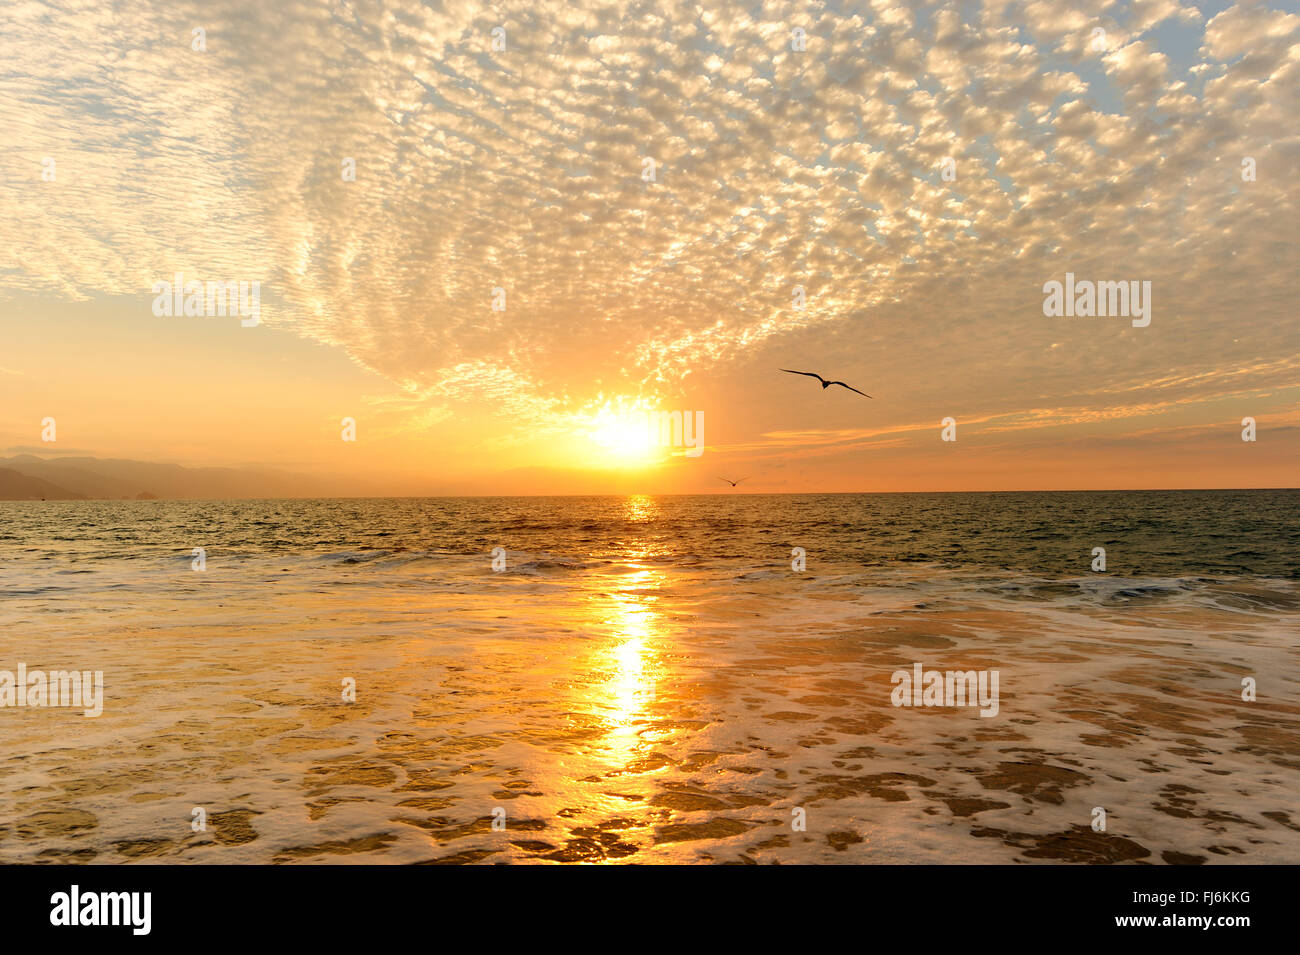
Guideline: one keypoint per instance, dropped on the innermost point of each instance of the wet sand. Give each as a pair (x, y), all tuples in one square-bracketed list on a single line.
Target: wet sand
[(652, 713)]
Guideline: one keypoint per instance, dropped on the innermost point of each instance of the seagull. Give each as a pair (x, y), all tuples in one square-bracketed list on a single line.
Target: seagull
[(731, 482), (825, 384)]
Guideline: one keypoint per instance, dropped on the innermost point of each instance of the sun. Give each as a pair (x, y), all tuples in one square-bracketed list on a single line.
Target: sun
[(621, 434)]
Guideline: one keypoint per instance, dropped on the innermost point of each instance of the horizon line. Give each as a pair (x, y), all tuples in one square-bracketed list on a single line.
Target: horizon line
[(420, 497)]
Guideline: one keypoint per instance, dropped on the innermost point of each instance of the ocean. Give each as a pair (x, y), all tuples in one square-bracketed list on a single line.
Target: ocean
[(657, 679)]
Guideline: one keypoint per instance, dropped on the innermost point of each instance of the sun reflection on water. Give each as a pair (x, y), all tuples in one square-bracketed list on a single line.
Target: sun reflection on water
[(641, 508), (637, 635), (633, 655)]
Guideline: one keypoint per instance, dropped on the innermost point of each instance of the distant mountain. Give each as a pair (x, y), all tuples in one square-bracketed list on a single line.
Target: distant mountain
[(16, 486), (26, 477), (77, 478)]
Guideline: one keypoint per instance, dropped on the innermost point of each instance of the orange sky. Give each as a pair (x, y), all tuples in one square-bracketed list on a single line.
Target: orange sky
[(798, 217)]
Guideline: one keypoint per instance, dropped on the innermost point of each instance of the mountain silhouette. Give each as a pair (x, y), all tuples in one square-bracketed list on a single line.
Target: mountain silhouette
[(27, 477)]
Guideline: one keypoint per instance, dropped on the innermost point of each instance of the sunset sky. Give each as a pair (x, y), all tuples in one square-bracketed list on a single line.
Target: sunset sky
[(524, 169)]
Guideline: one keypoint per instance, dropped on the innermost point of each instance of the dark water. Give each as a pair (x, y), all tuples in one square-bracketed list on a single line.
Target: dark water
[(1144, 533)]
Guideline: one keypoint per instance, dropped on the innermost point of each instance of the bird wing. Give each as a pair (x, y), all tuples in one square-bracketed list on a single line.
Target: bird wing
[(810, 374), (851, 388), (728, 482)]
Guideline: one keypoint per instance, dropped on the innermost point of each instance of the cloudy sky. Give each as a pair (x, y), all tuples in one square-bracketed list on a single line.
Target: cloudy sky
[(919, 170)]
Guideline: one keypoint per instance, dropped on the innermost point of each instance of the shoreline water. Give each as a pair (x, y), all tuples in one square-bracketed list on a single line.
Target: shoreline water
[(643, 689)]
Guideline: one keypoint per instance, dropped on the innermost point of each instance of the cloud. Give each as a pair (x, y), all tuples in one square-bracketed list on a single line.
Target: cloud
[(522, 169)]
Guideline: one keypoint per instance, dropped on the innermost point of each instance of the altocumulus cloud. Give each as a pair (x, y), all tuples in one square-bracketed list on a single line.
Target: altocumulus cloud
[(522, 169)]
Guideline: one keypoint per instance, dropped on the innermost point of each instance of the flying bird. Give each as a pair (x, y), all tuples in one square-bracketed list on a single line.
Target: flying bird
[(731, 482), (825, 384)]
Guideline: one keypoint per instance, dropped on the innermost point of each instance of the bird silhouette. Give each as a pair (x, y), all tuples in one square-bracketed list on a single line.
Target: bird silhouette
[(731, 482), (825, 384)]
